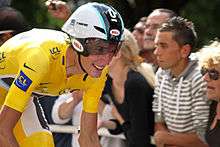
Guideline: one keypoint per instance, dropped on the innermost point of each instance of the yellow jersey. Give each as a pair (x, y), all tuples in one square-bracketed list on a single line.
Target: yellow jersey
[(36, 61)]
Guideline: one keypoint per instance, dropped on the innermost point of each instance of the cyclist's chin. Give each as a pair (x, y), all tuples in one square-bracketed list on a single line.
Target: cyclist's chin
[(95, 73)]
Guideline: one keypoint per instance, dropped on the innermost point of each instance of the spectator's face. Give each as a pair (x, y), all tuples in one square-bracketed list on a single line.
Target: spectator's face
[(138, 33), (211, 76), (168, 52), (154, 21)]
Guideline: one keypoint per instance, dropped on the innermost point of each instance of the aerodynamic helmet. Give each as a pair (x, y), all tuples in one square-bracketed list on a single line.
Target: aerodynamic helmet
[(92, 24)]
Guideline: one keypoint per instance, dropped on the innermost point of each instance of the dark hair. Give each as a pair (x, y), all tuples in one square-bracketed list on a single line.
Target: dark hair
[(171, 13), (183, 31), (11, 19)]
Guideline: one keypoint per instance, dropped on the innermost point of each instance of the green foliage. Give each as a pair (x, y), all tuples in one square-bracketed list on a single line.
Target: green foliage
[(35, 12), (205, 14)]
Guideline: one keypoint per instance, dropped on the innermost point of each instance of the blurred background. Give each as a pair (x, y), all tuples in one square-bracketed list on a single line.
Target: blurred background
[(204, 13)]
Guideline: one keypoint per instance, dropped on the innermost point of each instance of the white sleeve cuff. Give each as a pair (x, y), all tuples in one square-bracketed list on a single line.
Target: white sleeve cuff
[(55, 115)]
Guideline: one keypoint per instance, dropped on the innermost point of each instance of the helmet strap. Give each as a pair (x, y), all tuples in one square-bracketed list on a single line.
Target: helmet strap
[(81, 66)]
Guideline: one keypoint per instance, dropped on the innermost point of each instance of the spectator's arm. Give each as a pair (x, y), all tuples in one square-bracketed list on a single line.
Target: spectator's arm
[(138, 98), (67, 107), (160, 126), (178, 139), (200, 107), (55, 110), (117, 115), (58, 9)]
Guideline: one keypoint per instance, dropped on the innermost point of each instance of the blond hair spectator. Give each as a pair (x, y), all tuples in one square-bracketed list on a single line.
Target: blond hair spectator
[(209, 59)]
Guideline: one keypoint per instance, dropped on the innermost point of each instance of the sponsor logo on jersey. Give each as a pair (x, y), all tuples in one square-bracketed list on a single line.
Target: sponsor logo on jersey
[(2, 56), (68, 90), (2, 60), (25, 66), (115, 32), (22, 81), (55, 51)]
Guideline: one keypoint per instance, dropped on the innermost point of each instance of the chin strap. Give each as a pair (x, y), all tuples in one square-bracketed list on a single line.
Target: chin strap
[(83, 69)]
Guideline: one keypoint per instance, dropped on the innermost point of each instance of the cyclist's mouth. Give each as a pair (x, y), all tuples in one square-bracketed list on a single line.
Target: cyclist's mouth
[(98, 67)]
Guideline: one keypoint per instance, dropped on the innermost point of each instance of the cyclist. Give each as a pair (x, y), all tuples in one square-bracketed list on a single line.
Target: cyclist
[(47, 62)]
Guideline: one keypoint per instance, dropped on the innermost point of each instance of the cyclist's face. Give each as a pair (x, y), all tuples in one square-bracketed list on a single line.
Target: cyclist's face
[(100, 47), (100, 55), (94, 64)]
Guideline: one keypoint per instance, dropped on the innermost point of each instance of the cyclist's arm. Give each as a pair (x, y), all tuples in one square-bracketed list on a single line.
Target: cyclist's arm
[(88, 130), (18, 97), (8, 119)]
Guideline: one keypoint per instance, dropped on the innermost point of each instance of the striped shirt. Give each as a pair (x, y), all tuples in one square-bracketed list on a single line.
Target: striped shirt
[(181, 102)]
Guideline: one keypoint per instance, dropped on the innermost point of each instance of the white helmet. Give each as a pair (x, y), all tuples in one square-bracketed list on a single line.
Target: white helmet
[(94, 20)]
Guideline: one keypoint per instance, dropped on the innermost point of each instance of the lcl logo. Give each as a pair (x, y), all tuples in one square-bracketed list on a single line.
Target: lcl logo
[(22, 80), (2, 56), (55, 50)]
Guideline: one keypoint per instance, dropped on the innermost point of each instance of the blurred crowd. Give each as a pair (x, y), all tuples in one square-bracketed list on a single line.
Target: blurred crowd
[(158, 93)]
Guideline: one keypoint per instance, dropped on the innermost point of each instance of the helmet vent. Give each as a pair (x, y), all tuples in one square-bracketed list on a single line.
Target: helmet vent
[(100, 29)]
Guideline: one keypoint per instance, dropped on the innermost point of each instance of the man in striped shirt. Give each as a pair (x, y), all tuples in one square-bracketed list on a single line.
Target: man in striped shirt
[(180, 104)]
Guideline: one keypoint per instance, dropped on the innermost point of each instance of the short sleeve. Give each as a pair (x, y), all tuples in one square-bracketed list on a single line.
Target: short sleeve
[(93, 93), (31, 71)]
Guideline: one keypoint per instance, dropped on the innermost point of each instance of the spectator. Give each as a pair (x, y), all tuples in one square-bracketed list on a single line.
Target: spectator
[(131, 89), (106, 114), (58, 9), (68, 107), (62, 10), (12, 22), (180, 103), (210, 62), (154, 21), (47, 103), (138, 32)]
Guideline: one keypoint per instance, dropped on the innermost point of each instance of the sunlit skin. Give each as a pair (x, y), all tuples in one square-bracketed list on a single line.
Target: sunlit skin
[(154, 21), (213, 86), (138, 33), (169, 54), (93, 64)]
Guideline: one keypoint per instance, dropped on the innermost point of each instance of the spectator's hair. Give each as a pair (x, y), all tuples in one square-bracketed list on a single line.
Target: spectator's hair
[(130, 52), (209, 55), (183, 31), (171, 13), (143, 19), (12, 19)]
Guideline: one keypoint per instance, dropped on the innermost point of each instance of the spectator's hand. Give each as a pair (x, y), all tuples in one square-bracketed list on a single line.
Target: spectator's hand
[(159, 138), (77, 95), (58, 9), (99, 124), (117, 115)]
